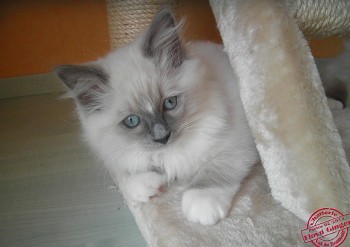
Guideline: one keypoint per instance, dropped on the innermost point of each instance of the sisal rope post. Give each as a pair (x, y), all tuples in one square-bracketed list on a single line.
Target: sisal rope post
[(321, 18), (127, 19)]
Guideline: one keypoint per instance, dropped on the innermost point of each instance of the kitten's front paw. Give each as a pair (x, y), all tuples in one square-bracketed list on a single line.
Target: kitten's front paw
[(335, 104), (205, 206), (141, 187)]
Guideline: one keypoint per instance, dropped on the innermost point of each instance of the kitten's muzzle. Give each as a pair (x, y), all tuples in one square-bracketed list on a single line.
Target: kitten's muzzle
[(163, 140), (160, 132)]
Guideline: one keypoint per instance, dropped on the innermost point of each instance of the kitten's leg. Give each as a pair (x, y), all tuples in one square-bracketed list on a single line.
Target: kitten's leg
[(207, 206), (141, 187), (210, 194), (335, 104)]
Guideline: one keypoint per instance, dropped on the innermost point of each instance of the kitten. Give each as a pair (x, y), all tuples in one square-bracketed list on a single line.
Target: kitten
[(156, 111)]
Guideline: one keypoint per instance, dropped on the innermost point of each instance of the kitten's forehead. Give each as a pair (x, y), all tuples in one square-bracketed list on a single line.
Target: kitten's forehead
[(138, 83), (148, 96)]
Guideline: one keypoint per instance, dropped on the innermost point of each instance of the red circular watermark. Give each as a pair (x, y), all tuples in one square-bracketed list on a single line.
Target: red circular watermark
[(326, 227)]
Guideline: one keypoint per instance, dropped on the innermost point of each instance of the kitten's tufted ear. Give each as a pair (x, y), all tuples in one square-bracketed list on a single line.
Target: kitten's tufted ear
[(162, 41), (87, 84)]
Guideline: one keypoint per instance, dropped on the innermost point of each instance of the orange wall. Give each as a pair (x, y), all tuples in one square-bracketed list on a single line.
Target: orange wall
[(39, 34), (328, 47), (200, 21)]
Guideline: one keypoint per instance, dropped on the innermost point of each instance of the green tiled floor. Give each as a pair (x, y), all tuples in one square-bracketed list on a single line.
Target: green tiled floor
[(52, 191)]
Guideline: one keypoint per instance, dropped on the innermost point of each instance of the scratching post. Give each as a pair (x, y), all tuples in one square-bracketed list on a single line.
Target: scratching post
[(321, 18), (127, 19)]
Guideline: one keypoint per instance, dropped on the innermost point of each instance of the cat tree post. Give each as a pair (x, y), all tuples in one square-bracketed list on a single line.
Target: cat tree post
[(285, 105), (127, 19)]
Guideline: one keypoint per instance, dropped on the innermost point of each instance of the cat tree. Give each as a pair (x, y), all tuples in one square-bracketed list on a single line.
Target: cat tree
[(301, 151)]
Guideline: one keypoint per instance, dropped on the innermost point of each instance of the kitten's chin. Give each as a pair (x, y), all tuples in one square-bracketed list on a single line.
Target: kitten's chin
[(158, 146)]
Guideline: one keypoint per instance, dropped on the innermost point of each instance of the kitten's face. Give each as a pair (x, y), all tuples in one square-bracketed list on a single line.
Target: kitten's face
[(149, 102), (140, 99)]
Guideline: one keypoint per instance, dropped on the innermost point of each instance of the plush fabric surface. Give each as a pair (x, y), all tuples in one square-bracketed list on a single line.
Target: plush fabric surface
[(286, 107), (256, 219)]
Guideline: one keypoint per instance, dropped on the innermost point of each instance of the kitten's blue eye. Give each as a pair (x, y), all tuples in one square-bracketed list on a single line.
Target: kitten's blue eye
[(131, 121), (170, 103)]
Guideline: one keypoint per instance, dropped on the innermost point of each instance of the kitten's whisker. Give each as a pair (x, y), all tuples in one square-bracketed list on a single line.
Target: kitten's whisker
[(192, 119), (190, 127), (111, 159), (191, 122), (100, 169)]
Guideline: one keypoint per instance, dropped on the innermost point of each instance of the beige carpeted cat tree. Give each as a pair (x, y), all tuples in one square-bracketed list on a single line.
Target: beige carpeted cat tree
[(303, 162)]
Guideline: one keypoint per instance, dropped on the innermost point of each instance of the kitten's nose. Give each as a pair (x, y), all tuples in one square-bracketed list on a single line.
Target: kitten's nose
[(160, 133)]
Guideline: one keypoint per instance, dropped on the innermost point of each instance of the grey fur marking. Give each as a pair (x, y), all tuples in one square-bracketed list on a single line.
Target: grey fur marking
[(85, 82), (162, 40)]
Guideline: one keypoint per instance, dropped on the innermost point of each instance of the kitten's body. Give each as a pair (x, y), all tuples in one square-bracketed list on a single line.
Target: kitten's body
[(204, 141), (212, 146)]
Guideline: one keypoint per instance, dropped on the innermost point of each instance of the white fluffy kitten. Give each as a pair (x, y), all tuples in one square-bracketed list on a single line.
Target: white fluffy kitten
[(156, 110)]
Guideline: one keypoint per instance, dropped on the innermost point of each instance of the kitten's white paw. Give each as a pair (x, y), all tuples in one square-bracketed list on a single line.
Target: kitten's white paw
[(141, 187), (206, 206), (335, 104)]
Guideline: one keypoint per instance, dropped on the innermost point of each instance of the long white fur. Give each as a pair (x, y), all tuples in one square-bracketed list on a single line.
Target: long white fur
[(218, 127)]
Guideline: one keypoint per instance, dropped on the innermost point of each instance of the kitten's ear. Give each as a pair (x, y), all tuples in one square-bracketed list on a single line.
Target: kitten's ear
[(162, 41), (87, 83)]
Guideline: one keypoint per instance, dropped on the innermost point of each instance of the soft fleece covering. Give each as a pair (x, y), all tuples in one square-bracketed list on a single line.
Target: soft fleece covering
[(286, 107), (256, 219), (299, 145)]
